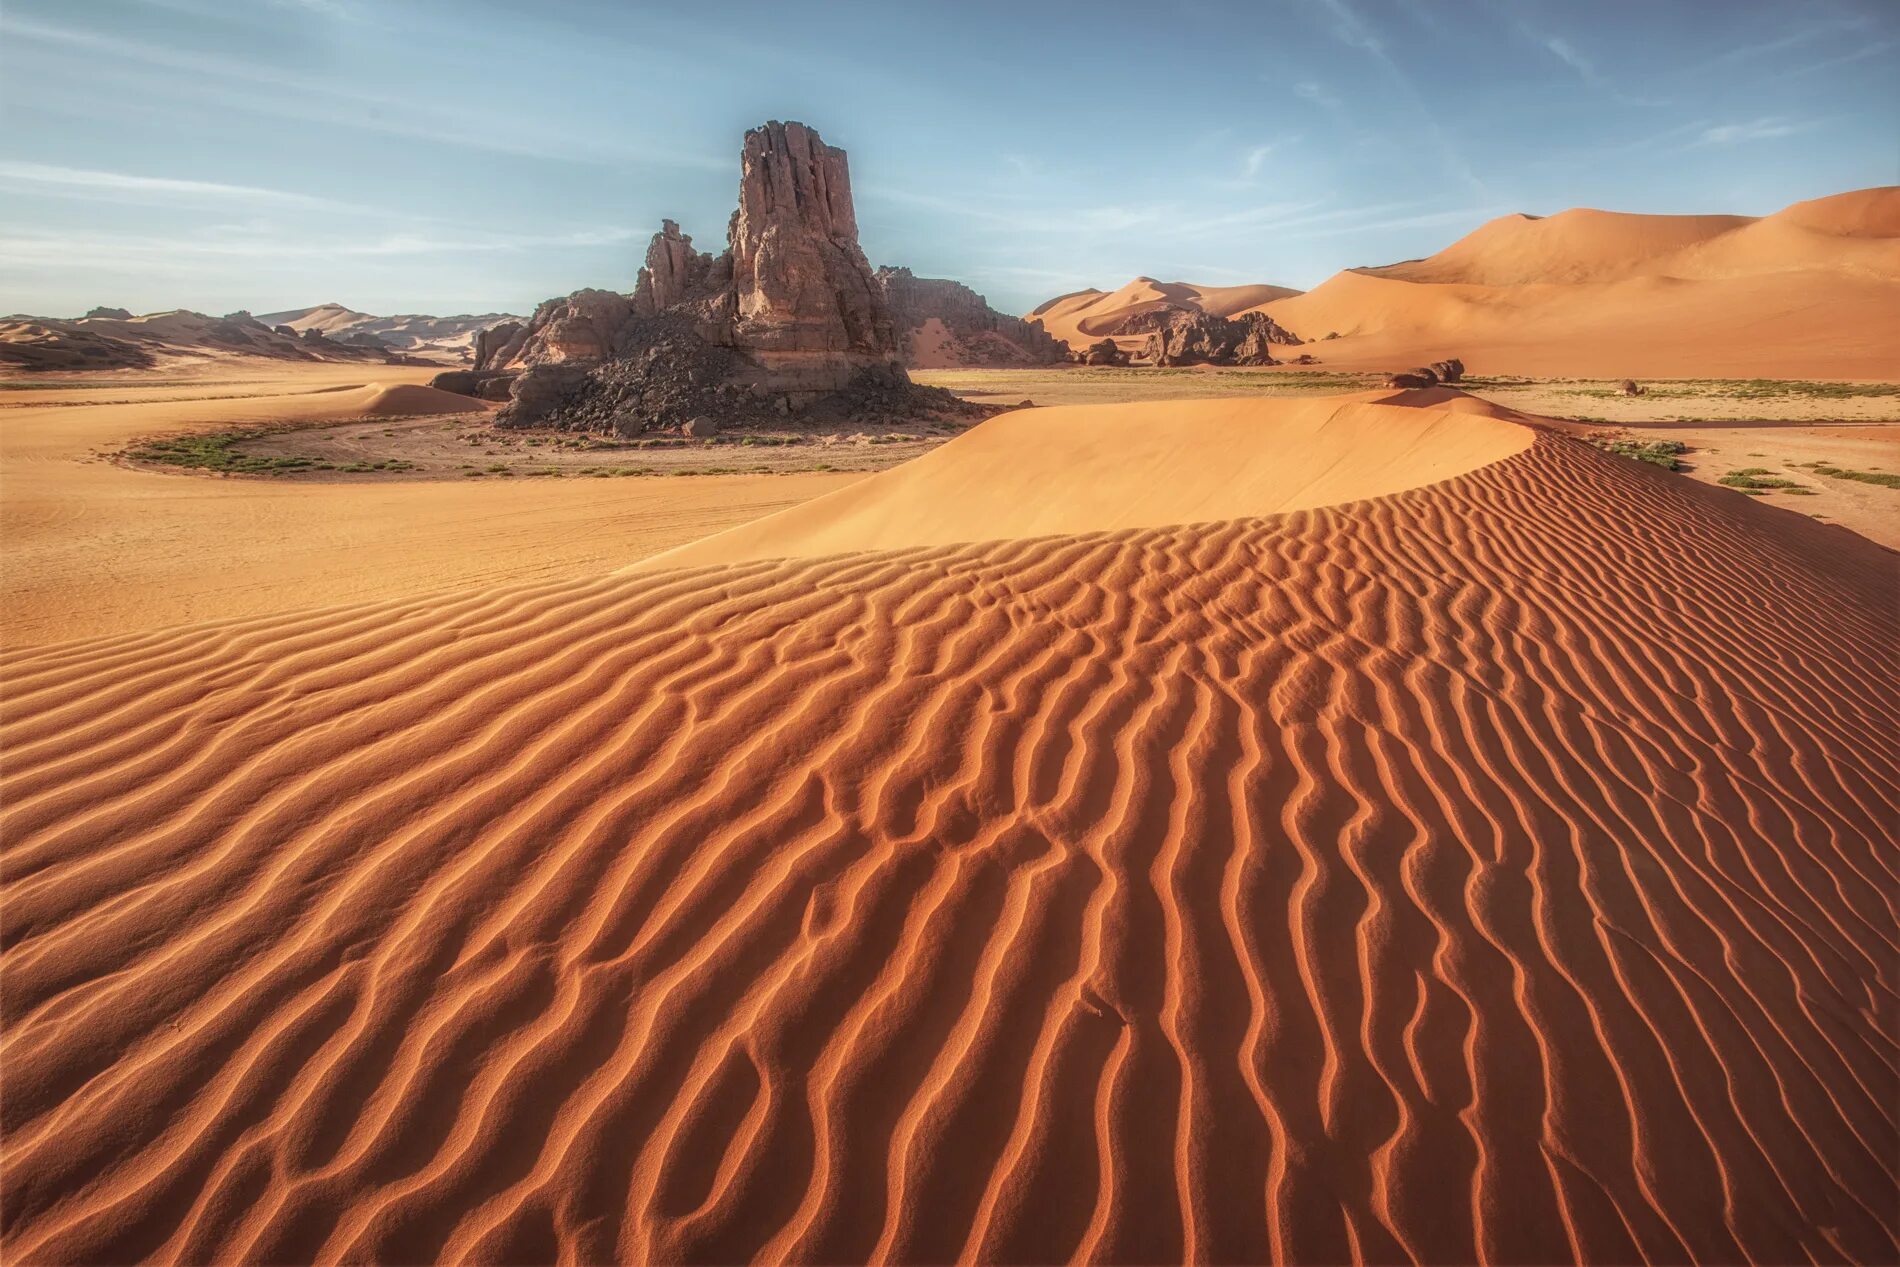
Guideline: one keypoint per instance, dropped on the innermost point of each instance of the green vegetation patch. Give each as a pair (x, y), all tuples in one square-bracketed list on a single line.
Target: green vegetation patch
[(216, 453), (1881, 478), (1758, 481), (1663, 453)]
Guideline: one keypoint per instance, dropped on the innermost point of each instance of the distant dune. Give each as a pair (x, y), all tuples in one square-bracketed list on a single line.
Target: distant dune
[(1812, 291), (1440, 841), (450, 338)]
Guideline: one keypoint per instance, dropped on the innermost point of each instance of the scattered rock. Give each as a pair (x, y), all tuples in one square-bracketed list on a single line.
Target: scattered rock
[(700, 428), (1632, 388)]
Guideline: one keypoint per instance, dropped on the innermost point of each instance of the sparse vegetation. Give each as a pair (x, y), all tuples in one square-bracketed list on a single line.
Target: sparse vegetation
[(1882, 478), (1663, 453), (1759, 481), (216, 453)]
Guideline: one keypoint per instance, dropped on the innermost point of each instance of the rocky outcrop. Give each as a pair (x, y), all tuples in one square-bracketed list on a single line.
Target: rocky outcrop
[(1449, 371), (111, 314), (1107, 352), (1188, 336), (785, 320), (966, 330), (1413, 379)]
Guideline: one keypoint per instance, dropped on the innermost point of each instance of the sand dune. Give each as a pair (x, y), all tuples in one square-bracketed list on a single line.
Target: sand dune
[(1046, 472), (1495, 868), (1086, 316), (1810, 292)]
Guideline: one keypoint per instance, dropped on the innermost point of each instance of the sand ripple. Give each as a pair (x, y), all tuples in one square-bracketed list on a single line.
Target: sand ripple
[(1500, 870)]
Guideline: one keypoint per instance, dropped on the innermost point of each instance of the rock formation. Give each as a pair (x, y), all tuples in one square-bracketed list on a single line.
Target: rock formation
[(1107, 352), (1188, 336), (967, 331), (788, 319), (1449, 371)]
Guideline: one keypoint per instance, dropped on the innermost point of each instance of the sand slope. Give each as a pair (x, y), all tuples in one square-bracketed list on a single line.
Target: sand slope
[(1498, 869), (1073, 469), (1810, 292)]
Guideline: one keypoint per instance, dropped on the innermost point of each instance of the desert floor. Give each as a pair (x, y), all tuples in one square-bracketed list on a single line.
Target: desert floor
[(97, 543), (1379, 827), (93, 547)]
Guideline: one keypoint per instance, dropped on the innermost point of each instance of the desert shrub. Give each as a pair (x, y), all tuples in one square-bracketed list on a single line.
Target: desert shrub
[(1759, 480), (1663, 453), (1881, 478)]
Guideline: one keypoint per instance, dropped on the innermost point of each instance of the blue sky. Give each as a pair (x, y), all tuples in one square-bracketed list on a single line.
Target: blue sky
[(459, 155)]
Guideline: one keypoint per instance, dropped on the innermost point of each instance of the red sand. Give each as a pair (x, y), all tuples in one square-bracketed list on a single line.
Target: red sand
[(1496, 866)]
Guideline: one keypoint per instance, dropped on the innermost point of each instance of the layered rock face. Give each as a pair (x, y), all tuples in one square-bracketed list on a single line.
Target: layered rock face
[(972, 332), (792, 307), (807, 301)]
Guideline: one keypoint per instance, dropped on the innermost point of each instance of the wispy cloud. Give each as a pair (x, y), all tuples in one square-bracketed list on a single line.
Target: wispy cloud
[(74, 182), (1351, 29), (1764, 129), (286, 94), (99, 251), (1865, 51)]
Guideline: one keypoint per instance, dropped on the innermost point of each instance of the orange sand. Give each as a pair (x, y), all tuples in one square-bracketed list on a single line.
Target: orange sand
[(1494, 867), (94, 548), (1810, 292)]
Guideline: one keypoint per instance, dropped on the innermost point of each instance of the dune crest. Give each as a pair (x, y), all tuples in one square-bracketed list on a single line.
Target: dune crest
[(1075, 469), (1498, 869)]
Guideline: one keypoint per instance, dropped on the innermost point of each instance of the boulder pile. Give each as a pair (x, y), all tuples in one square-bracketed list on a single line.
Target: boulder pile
[(1188, 336)]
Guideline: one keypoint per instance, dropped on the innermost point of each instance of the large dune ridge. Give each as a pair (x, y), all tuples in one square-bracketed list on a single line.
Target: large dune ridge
[(1488, 862), (1812, 291)]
